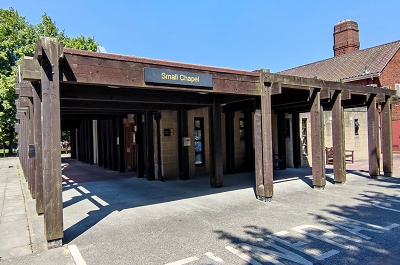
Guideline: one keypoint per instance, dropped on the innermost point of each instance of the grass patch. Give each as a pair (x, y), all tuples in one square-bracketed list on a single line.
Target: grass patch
[(13, 154)]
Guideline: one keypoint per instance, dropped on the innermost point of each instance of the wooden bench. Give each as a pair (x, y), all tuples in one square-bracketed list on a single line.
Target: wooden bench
[(349, 155)]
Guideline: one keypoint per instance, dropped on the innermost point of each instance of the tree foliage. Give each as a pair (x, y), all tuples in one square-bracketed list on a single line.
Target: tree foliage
[(18, 38)]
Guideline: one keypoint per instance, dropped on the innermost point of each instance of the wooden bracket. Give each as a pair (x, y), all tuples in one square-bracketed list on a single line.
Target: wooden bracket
[(31, 69), (276, 88)]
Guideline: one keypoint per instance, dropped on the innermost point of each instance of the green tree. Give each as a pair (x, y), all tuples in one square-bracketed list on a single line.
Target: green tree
[(18, 38)]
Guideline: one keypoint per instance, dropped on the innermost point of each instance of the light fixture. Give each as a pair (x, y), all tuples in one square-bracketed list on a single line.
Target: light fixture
[(203, 93), (113, 86)]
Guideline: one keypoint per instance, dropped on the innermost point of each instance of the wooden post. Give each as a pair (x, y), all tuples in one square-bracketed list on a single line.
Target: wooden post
[(37, 104), (296, 140), (114, 150), (373, 137), (338, 138), (104, 143), (317, 140), (215, 112), (266, 125), (387, 141), (281, 140), (230, 141), (120, 144), (90, 142), (183, 151), (31, 161), (248, 141), (108, 144), (259, 173), (49, 54), (150, 174), (100, 149), (140, 144)]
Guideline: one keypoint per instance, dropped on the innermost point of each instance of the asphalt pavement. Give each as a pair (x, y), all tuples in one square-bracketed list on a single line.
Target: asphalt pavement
[(127, 220)]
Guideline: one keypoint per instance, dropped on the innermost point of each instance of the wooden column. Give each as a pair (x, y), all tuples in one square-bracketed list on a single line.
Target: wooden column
[(183, 151), (140, 144), (281, 140), (121, 144), (230, 141), (150, 174), (114, 151), (387, 141), (373, 137), (108, 144), (248, 141), (266, 125), (90, 142), (48, 52), (296, 140), (338, 138), (100, 143), (104, 144), (317, 140), (215, 112), (263, 144), (31, 160), (37, 113), (84, 142)]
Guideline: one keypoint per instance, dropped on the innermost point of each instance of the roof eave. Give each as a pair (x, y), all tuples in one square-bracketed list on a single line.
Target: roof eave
[(361, 77)]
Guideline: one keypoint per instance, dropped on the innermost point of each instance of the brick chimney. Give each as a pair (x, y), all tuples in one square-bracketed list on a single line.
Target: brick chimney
[(346, 37)]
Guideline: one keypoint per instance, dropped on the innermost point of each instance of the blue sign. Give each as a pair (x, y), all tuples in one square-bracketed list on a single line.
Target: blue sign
[(161, 76)]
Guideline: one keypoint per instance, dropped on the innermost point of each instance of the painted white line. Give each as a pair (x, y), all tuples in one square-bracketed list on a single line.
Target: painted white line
[(76, 255), (183, 261), (242, 256), (83, 189), (97, 199), (213, 257)]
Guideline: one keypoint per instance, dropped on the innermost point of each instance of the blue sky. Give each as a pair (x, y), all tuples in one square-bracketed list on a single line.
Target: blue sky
[(244, 35)]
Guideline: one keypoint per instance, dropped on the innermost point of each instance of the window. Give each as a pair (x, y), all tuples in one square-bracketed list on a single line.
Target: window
[(304, 136), (241, 128), (356, 126), (397, 86), (199, 140)]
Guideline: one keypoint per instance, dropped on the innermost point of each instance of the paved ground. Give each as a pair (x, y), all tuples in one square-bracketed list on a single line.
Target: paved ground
[(126, 220)]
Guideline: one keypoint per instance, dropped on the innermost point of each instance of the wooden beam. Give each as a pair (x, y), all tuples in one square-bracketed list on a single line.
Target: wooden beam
[(51, 135), (288, 81), (31, 69), (215, 113), (373, 137), (387, 142), (244, 105), (103, 93), (276, 88), (317, 140), (338, 138)]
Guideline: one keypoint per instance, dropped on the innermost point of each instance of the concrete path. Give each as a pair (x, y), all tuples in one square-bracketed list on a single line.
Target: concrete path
[(22, 238)]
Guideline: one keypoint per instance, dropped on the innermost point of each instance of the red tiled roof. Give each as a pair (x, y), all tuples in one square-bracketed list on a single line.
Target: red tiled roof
[(355, 64)]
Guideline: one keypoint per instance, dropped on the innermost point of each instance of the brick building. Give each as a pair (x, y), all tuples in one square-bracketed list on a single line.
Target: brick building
[(377, 66)]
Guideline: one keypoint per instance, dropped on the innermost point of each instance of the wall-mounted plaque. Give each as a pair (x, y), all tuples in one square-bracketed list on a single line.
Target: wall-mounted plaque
[(186, 141)]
